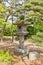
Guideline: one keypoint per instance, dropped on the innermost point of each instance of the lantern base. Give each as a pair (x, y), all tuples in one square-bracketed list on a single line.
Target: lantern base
[(22, 52)]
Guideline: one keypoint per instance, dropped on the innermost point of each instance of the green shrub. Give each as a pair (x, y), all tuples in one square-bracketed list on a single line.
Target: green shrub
[(7, 32), (40, 34), (5, 56), (37, 39), (31, 30)]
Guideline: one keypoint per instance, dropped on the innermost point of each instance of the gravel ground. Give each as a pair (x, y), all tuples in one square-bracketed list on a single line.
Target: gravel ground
[(26, 61), (38, 61)]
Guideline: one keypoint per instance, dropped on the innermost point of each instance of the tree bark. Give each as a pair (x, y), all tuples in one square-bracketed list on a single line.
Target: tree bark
[(12, 31)]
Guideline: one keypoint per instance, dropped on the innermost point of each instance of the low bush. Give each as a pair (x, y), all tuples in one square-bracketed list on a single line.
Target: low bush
[(5, 56), (37, 39)]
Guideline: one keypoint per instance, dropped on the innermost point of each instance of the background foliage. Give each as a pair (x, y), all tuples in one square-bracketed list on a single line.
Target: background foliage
[(33, 11)]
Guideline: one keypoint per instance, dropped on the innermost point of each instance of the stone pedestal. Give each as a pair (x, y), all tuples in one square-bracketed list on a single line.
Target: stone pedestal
[(21, 41)]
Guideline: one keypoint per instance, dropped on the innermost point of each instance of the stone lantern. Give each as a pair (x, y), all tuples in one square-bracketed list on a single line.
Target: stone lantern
[(21, 32)]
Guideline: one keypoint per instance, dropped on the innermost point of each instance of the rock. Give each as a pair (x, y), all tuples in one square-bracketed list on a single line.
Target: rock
[(33, 55)]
